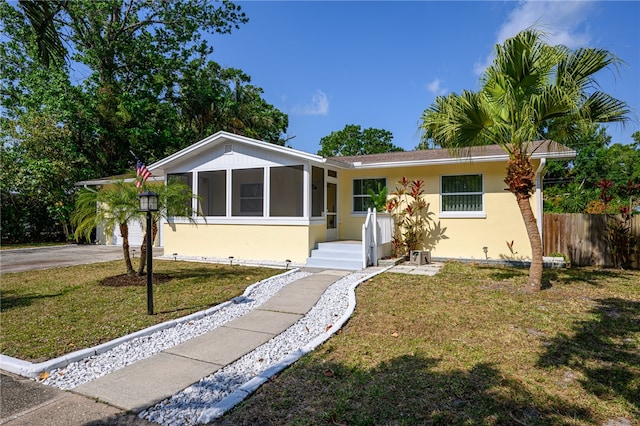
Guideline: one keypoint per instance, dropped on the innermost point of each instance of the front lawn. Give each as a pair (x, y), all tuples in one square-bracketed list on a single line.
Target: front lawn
[(468, 347), (47, 313)]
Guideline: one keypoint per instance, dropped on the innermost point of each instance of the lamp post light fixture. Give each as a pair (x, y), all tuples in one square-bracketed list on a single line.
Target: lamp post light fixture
[(149, 203)]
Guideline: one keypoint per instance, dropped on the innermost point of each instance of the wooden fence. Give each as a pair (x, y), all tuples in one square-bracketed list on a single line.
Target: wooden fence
[(581, 238)]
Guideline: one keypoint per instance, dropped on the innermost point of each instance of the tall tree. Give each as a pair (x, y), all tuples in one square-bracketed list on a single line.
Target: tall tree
[(572, 186), (213, 98), (352, 140), (134, 51), (137, 78), (529, 86)]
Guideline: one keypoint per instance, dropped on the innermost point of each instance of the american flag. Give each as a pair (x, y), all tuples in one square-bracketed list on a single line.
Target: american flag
[(142, 173)]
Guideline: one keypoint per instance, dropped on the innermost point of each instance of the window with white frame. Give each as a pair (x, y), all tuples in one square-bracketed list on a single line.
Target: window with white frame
[(361, 198), (247, 193), (461, 194)]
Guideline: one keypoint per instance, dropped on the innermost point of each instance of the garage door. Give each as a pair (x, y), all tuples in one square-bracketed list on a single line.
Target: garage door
[(135, 235)]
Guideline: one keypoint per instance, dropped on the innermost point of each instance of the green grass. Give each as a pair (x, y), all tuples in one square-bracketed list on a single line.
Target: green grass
[(6, 246), (468, 347), (45, 314)]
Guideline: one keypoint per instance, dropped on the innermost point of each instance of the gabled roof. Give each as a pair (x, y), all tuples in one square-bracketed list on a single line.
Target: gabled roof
[(540, 149), (225, 137)]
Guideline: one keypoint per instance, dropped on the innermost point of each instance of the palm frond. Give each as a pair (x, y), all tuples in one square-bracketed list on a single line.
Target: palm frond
[(41, 16)]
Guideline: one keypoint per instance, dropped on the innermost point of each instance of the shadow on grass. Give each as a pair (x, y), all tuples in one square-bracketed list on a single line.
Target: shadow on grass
[(209, 273), (407, 390), (604, 349), (11, 301), (554, 277), (591, 276)]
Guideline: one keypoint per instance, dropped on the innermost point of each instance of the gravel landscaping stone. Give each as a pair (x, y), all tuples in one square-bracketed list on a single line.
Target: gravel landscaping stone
[(214, 395)]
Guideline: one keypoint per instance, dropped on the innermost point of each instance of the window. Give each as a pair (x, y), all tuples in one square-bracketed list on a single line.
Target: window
[(247, 193), (461, 193), (317, 191), (212, 190), (286, 191), (361, 198), (186, 179)]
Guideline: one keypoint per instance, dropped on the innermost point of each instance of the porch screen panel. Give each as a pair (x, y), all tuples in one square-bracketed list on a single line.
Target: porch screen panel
[(462, 193), (317, 191), (286, 191), (247, 194), (212, 190), (185, 179)]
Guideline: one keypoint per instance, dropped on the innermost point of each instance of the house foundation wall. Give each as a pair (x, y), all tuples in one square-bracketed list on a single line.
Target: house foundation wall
[(250, 242)]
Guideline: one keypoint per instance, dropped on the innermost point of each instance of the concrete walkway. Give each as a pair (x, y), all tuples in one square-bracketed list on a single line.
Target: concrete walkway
[(110, 399), (151, 380)]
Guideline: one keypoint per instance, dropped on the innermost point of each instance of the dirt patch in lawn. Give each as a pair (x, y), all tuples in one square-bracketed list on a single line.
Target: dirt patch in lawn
[(125, 280)]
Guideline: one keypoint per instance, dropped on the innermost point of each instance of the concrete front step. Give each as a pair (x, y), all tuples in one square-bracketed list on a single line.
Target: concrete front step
[(342, 246), (336, 254), (346, 265), (344, 255)]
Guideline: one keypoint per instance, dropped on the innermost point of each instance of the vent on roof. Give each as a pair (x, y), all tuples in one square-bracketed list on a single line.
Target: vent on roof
[(228, 149)]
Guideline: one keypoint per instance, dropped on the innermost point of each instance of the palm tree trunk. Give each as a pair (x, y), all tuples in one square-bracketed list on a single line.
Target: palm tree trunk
[(124, 232), (535, 271), (143, 255), (143, 248)]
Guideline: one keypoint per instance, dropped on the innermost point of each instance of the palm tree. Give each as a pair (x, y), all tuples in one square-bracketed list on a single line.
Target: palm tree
[(118, 205), (111, 206), (174, 199), (529, 86)]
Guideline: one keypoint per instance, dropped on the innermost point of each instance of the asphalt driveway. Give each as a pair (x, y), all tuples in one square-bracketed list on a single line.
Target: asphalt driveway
[(28, 259)]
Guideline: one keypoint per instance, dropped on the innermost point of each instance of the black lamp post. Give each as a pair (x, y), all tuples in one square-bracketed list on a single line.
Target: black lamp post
[(149, 203)]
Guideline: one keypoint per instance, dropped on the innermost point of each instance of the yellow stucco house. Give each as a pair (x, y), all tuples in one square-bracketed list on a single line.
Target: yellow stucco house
[(259, 201)]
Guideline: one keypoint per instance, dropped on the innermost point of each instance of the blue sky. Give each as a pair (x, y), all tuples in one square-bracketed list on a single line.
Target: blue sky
[(380, 64)]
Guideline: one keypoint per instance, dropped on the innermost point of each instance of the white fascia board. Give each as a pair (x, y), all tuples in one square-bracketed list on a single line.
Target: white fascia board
[(459, 160), (440, 161)]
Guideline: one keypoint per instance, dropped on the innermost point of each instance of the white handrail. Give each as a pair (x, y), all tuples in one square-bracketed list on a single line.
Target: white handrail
[(369, 237)]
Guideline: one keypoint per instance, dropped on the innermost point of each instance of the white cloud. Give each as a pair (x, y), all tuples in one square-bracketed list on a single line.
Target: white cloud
[(319, 105), (561, 22), (436, 88)]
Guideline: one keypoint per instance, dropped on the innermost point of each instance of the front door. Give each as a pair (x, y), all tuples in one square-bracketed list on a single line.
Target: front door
[(332, 209)]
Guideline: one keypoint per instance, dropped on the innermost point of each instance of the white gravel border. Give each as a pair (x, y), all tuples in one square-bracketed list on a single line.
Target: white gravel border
[(214, 395), (121, 352)]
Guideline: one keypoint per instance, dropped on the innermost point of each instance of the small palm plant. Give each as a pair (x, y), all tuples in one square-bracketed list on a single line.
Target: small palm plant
[(117, 205)]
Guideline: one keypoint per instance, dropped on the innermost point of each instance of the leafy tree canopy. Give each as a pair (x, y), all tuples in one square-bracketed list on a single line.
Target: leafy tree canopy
[(99, 79), (352, 140), (572, 186)]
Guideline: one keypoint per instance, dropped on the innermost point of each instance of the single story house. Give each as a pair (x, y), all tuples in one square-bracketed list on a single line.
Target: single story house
[(260, 201)]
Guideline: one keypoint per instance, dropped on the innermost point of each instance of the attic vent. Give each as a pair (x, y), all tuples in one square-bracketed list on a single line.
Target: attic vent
[(228, 149)]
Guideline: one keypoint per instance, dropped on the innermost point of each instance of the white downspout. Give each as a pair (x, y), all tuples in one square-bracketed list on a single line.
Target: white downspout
[(539, 200)]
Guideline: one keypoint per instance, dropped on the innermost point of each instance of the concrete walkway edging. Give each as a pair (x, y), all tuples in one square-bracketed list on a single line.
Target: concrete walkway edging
[(227, 403), (33, 370)]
